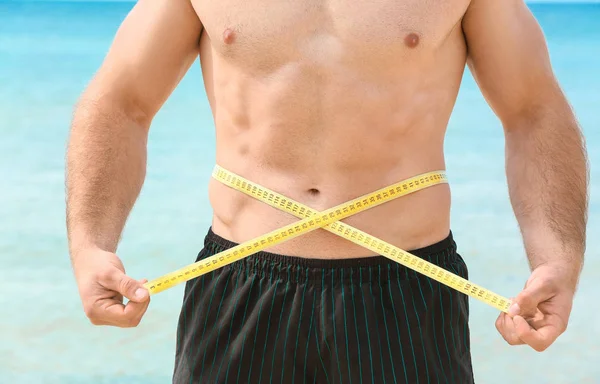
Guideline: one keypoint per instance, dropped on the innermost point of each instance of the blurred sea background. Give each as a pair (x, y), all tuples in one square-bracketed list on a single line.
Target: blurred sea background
[(50, 50)]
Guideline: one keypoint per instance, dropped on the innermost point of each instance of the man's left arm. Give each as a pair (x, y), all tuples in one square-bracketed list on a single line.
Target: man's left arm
[(546, 163)]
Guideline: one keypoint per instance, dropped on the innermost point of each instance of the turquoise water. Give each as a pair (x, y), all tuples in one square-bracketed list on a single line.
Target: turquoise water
[(48, 51)]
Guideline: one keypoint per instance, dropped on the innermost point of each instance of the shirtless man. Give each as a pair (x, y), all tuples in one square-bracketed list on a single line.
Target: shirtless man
[(324, 101)]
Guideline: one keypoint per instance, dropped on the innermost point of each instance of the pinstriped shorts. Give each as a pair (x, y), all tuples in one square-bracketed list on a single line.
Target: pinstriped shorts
[(279, 319)]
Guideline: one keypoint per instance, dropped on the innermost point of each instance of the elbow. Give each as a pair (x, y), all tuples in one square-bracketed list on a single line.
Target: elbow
[(547, 130), (547, 113), (114, 106), (525, 119)]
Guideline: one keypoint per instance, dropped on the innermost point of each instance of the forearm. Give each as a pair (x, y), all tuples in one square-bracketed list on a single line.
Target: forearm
[(547, 178), (106, 163)]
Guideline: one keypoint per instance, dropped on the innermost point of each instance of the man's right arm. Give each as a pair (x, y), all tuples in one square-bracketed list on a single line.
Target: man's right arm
[(106, 158)]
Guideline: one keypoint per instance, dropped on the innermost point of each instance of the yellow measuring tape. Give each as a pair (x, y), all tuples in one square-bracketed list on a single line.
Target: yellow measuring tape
[(328, 220)]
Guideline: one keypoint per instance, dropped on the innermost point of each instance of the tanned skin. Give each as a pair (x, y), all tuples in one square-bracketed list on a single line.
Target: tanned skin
[(320, 78), (546, 164)]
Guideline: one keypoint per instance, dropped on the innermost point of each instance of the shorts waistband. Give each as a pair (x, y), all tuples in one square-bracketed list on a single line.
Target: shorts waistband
[(306, 268)]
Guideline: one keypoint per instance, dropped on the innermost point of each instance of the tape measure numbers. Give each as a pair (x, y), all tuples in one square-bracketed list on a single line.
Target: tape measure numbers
[(290, 231), (361, 238), (329, 220)]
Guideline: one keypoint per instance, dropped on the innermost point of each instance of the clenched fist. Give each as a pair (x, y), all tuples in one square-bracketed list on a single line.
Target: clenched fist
[(102, 285)]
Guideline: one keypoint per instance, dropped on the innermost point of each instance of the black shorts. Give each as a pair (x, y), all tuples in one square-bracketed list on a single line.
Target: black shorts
[(279, 319)]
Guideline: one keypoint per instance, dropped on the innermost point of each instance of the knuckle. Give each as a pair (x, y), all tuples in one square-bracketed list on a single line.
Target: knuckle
[(562, 328), (104, 275), (129, 323), (506, 338), (92, 314), (498, 325), (135, 322), (549, 284), (95, 321), (89, 312), (526, 298), (126, 285)]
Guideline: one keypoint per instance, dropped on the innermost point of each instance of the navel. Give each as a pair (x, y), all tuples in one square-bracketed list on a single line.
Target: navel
[(411, 40), (228, 36)]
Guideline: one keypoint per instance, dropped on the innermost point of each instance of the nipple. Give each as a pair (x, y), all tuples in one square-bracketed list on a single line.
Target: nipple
[(411, 40), (228, 36)]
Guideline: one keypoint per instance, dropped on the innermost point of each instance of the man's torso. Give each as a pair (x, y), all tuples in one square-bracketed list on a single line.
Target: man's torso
[(324, 101)]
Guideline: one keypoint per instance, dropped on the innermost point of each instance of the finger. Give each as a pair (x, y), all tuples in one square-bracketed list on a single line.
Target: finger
[(135, 311), (128, 287), (526, 302), (511, 332), (539, 339), (121, 315), (506, 328)]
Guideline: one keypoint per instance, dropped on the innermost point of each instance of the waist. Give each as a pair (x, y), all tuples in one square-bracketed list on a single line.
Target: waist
[(309, 268), (409, 222)]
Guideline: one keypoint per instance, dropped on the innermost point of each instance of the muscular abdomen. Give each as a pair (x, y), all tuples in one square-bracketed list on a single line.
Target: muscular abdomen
[(323, 117)]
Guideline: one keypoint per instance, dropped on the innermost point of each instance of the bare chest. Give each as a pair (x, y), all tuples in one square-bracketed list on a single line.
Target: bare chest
[(268, 33)]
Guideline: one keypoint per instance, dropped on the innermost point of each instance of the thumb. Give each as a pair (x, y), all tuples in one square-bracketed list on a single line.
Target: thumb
[(526, 302), (130, 288)]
